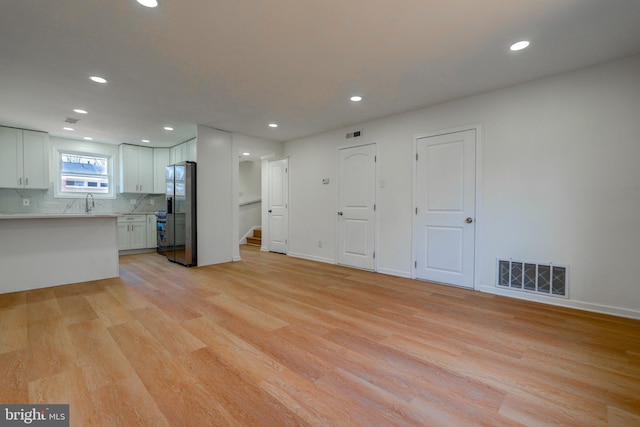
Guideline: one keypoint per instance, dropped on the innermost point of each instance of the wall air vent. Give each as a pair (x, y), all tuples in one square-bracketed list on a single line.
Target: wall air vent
[(354, 134), (544, 278), (71, 120)]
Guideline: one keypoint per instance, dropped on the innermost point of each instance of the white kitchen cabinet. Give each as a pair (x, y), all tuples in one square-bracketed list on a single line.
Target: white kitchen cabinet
[(132, 232), (24, 159), (152, 231), (136, 169), (191, 151), (187, 151), (161, 158), (178, 153)]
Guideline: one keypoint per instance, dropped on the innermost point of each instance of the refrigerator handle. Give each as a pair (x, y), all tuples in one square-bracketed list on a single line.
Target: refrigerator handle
[(169, 205)]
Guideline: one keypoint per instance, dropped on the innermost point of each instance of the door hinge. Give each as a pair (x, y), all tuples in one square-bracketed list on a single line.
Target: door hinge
[(415, 264), (286, 170), (416, 210), (374, 207), (286, 241), (375, 159), (374, 255), (416, 157)]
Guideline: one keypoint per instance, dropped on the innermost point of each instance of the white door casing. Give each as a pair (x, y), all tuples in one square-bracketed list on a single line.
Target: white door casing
[(278, 209), (445, 192), (356, 206)]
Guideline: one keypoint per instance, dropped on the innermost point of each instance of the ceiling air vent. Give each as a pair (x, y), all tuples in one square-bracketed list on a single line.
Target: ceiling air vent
[(71, 120), (540, 278)]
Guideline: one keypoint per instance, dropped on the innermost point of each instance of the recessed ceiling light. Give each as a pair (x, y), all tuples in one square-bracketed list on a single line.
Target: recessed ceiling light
[(356, 98), (246, 154), (145, 140), (88, 138), (67, 128), (523, 44), (148, 3), (273, 125), (98, 79), (168, 128), (80, 111)]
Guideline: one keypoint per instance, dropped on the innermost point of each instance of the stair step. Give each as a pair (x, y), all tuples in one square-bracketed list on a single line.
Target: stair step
[(257, 232), (256, 241)]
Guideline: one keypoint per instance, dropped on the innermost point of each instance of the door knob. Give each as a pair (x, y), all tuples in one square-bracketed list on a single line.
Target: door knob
[(469, 220), (340, 213), (269, 210)]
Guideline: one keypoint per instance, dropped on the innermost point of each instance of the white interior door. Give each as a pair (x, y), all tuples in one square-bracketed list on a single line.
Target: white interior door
[(444, 227), (356, 206), (278, 210)]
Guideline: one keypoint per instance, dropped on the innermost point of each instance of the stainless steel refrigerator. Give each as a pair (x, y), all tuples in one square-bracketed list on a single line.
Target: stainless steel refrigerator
[(181, 213)]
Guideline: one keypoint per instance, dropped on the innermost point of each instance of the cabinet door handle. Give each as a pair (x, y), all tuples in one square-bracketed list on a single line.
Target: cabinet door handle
[(19, 181), (26, 181)]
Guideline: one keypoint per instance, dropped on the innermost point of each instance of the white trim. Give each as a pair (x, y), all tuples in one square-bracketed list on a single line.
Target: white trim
[(237, 258), (396, 273), (314, 258), (562, 302), (249, 202), (111, 157), (477, 127)]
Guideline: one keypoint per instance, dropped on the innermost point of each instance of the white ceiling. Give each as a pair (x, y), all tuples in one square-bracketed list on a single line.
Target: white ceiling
[(237, 65)]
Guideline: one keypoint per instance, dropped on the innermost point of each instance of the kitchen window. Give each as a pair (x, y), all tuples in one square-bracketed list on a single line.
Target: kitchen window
[(79, 173)]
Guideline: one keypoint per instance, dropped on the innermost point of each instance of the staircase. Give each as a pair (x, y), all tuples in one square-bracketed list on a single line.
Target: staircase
[(256, 240)]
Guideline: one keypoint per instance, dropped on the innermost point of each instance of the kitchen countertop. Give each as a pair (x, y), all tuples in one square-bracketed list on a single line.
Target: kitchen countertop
[(57, 216)]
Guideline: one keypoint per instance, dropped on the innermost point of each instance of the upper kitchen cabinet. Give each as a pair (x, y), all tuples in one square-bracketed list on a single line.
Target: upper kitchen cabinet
[(187, 151), (192, 150), (24, 159), (161, 158), (136, 169), (177, 153)]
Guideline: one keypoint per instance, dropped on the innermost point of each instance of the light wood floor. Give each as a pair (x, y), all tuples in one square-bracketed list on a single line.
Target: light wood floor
[(274, 340)]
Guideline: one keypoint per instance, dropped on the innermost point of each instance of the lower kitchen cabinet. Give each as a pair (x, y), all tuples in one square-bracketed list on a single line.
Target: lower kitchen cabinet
[(152, 231), (132, 232)]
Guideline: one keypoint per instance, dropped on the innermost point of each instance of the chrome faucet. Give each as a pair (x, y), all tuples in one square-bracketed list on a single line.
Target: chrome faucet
[(87, 209)]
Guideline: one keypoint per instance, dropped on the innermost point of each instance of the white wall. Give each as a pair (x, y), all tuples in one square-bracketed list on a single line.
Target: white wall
[(560, 182), (249, 182), (217, 196)]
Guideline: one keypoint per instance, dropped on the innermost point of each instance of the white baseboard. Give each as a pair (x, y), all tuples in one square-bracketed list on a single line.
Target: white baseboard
[(396, 273), (561, 302), (580, 305), (237, 258), (312, 258)]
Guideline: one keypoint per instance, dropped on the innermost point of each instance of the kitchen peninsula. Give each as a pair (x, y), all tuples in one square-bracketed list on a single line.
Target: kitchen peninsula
[(42, 250)]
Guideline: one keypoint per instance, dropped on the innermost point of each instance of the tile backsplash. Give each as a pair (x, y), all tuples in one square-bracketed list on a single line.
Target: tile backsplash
[(42, 201)]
